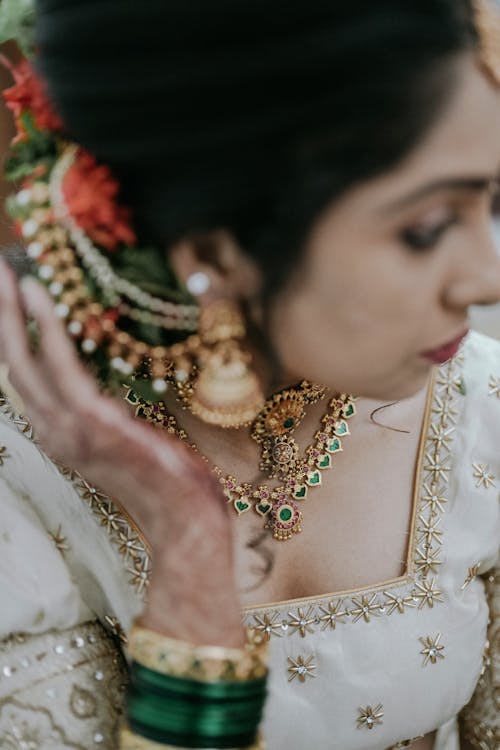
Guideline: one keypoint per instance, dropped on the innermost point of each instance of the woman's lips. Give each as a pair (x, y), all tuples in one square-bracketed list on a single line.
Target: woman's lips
[(446, 352)]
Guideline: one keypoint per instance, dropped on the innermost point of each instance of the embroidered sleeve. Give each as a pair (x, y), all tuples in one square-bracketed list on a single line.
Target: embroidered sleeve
[(481, 718), (61, 689)]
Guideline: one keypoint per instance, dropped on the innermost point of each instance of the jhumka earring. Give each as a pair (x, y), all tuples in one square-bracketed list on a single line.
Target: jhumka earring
[(225, 391)]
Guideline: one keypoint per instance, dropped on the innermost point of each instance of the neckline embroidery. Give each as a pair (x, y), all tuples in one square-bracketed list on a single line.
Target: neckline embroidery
[(418, 586)]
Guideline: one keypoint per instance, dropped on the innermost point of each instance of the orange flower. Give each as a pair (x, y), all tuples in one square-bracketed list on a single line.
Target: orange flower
[(90, 193), (28, 95)]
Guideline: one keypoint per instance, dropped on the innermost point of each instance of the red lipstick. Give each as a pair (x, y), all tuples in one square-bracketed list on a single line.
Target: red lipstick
[(446, 352)]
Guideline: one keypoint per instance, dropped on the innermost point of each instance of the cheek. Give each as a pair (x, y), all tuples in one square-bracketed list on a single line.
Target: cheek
[(360, 334)]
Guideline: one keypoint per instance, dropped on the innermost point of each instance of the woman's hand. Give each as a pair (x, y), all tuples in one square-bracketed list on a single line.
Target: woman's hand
[(164, 486)]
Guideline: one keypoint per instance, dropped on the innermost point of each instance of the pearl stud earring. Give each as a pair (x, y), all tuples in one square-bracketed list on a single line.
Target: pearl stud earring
[(198, 283)]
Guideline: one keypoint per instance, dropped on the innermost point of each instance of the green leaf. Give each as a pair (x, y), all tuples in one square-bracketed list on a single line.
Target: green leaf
[(17, 20)]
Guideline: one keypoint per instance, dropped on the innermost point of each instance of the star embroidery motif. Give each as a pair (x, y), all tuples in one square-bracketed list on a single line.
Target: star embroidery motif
[(268, 625), (427, 562), (429, 531), (140, 574), (114, 625), (370, 717), (59, 540), (452, 384), (442, 437), (445, 411), (301, 621), (301, 667), (3, 454), (471, 574), (494, 386), (364, 608), (431, 649), (110, 517), (398, 602), (129, 543), (427, 593), (437, 468), (90, 494), (434, 498), (332, 614), (484, 476)]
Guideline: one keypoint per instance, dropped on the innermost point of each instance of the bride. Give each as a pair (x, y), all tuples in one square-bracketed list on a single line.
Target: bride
[(281, 414)]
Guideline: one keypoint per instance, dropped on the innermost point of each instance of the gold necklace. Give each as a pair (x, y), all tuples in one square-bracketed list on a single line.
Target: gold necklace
[(279, 505)]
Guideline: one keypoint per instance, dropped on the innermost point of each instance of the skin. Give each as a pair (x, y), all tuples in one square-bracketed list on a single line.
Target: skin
[(361, 292)]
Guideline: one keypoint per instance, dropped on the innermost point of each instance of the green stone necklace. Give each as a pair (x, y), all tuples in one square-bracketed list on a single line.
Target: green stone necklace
[(272, 429)]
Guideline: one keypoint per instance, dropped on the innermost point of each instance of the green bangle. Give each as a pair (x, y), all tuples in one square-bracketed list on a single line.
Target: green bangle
[(131, 741), (149, 680)]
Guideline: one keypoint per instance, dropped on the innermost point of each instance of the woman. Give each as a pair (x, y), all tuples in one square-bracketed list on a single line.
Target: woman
[(328, 171)]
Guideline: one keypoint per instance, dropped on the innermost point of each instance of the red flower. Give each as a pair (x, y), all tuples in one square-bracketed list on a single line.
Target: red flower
[(28, 95), (90, 192)]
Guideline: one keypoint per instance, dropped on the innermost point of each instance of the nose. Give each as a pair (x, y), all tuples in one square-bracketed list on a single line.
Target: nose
[(478, 280)]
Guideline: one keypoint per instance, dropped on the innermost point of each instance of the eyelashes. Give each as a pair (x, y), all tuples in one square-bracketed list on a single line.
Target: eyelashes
[(422, 238)]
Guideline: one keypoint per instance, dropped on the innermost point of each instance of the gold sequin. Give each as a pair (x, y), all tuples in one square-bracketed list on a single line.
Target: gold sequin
[(432, 649), (484, 476), (369, 717), (301, 667)]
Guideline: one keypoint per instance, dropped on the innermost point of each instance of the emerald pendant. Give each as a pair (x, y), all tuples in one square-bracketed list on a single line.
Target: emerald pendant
[(334, 447), (341, 428), (263, 508), (241, 506), (324, 461), (349, 411), (313, 478), (300, 493)]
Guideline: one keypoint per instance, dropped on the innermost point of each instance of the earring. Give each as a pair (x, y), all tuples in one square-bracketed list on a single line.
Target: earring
[(226, 391), (198, 283)]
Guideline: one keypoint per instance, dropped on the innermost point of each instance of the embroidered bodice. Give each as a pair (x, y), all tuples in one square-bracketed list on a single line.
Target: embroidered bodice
[(355, 670)]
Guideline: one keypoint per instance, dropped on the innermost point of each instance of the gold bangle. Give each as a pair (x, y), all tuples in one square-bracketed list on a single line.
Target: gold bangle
[(201, 663), (131, 741)]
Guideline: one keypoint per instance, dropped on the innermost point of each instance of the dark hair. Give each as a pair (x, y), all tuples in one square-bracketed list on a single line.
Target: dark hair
[(251, 115)]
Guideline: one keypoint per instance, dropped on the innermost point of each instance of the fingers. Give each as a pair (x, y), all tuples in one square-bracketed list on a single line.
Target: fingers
[(71, 382), (24, 371)]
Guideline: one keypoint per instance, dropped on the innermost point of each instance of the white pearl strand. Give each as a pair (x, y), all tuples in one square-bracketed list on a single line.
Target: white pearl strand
[(182, 317)]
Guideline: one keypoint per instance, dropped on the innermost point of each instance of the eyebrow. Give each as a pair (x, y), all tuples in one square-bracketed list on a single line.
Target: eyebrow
[(469, 184)]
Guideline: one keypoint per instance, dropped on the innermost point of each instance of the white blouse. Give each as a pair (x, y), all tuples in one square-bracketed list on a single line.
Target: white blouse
[(365, 669)]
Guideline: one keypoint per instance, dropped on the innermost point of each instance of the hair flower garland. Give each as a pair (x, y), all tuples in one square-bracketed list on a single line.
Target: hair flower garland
[(28, 95), (129, 317), (90, 193)]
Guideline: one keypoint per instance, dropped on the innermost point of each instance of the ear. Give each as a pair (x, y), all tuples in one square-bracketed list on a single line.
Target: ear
[(229, 271)]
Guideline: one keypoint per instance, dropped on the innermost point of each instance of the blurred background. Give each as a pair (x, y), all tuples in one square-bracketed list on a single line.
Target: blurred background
[(486, 320)]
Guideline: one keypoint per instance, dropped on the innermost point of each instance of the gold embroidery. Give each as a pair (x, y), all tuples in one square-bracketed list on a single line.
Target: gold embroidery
[(427, 593), (269, 625), (331, 614), (301, 667), (432, 649), (3, 454), (59, 540), (406, 743), (471, 574), (365, 607), (494, 386), (124, 534), (484, 476), (418, 587), (301, 622), (115, 628), (370, 717)]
